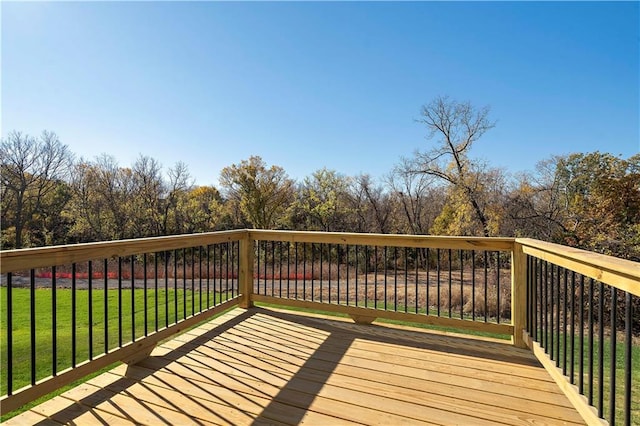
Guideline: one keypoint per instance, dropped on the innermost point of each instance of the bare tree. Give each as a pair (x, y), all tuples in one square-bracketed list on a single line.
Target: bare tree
[(420, 201), (31, 169), (455, 126)]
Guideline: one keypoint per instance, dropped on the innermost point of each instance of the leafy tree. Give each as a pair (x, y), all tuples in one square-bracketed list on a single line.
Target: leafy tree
[(200, 209), (321, 202), (32, 171), (455, 126), (263, 194), (601, 194)]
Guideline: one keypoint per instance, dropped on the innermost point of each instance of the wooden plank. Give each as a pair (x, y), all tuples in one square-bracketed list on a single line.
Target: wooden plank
[(518, 294), (246, 272), (27, 394), (620, 273), (272, 361), (400, 316), (379, 333), (30, 418), (275, 368), (254, 396), (392, 240), (25, 259), (580, 403)]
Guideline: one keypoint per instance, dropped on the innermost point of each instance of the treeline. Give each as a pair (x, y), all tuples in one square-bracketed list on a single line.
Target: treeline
[(588, 200)]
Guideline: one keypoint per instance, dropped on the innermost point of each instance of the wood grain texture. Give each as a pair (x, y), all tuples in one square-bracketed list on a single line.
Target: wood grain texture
[(25, 259), (270, 366), (620, 273)]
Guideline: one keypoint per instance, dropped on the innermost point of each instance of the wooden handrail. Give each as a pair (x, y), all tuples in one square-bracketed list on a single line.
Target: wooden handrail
[(620, 273), (41, 257), (391, 240)]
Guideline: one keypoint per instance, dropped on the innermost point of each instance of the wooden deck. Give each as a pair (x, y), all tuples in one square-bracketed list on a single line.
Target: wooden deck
[(265, 366)]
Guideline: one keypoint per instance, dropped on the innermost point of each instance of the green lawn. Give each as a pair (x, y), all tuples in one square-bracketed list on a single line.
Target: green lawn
[(64, 331), (619, 373)]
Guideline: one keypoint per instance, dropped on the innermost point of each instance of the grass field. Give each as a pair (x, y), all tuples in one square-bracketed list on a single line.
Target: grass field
[(120, 316)]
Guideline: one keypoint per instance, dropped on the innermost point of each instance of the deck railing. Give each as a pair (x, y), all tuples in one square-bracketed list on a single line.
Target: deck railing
[(581, 325), (69, 311)]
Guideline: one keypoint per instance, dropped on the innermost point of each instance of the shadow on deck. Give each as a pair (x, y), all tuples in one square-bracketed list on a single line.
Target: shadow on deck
[(267, 366)]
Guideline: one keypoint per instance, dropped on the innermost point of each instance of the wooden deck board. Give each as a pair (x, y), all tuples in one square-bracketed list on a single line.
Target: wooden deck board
[(266, 366)]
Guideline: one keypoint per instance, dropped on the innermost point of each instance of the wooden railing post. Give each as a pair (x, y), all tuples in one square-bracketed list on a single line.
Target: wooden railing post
[(518, 294), (246, 271)]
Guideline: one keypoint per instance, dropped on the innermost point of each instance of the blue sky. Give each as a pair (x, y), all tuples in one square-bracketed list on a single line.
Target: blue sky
[(312, 85)]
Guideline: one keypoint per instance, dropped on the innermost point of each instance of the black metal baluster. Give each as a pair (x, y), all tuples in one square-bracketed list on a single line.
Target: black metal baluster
[(222, 269), (273, 268), (338, 251), (200, 279), (395, 279), (175, 285), (406, 280), (329, 273), (461, 286), (106, 306), (289, 272), (415, 261), (347, 283), (552, 292), (564, 323), (375, 278), (366, 276), (427, 266), (438, 280), (498, 305), (295, 282), (257, 266), (355, 249), (546, 306), (385, 277), (166, 288), (155, 286), (581, 339), (486, 285), (215, 271), (590, 341), (628, 371), (557, 316), (321, 250), (280, 272), (450, 281), (133, 300), (304, 271), (612, 357), (573, 327), (145, 303), (601, 352), (209, 277), (549, 309), (32, 325), (236, 292), (184, 283), (193, 281), (9, 333), (473, 285), (90, 312), (54, 324), (73, 315)]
